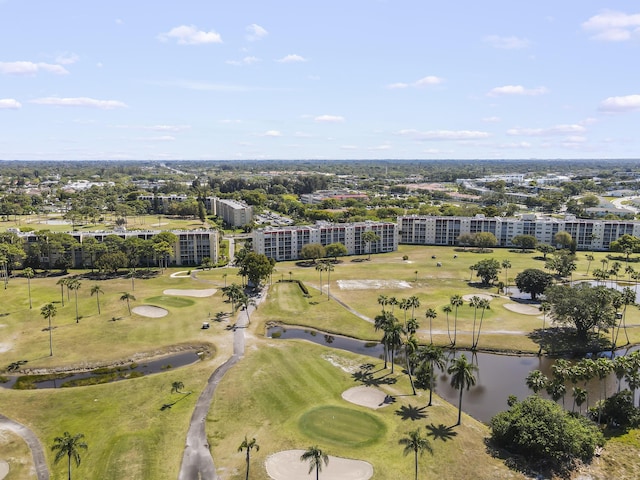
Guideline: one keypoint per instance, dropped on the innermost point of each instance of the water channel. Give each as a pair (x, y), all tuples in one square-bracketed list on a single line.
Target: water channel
[(498, 375)]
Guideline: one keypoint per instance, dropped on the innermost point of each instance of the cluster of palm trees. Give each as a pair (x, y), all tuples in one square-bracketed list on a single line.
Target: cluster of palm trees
[(238, 298), (580, 373), (325, 266)]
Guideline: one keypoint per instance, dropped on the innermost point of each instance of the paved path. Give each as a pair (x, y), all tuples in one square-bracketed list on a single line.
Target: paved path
[(39, 460), (197, 462)]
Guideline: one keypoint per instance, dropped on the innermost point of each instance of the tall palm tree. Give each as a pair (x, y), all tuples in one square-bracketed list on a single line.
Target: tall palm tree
[(456, 301), (233, 292), (75, 285), (393, 339), (127, 297), (320, 267), (383, 300), (329, 268), (96, 290), (410, 348), (603, 367), (430, 314), (315, 456), (177, 386), (246, 301), (431, 357), (29, 273), (62, 282), (68, 445), (590, 258), (48, 312), (628, 297), (484, 305), (380, 322), (248, 445), (544, 307), (506, 264), (416, 443), (413, 302), (462, 378), (447, 309), (475, 303), (536, 381), (579, 397)]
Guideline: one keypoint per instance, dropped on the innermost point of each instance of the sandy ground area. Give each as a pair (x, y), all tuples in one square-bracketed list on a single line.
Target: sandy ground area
[(190, 293), (371, 284), (181, 274), (150, 311), (4, 469), (523, 309), (482, 296), (5, 347), (287, 465), (370, 397)]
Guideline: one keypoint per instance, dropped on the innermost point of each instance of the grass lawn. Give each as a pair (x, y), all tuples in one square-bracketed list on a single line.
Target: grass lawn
[(17, 454)]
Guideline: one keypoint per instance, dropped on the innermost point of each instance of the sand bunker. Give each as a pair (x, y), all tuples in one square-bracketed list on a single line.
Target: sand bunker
[(190, 293), (4, 469), (370, 397), (288, 466), (481, 296), (371, 284), (150, 311), (5, 347), (523, 309)]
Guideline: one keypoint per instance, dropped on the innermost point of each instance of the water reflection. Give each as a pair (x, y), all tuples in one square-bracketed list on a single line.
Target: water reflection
[(498, 375)]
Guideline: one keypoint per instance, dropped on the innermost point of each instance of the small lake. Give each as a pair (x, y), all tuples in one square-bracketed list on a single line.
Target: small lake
[(131, 370), (498, 375)]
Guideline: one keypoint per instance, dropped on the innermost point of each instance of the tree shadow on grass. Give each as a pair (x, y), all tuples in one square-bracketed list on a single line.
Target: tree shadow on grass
[(563, 340), (367, 378), (167, 406), (410, 412), (441, 432)]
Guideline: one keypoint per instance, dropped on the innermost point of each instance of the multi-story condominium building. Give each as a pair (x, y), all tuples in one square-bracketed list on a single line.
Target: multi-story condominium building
[(589, 234), (285, 243), (190, 248), (233, 212)]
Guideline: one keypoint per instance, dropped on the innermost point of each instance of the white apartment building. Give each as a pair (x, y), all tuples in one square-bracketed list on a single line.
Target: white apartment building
[(285, 243), (233, 212), (589, 234)]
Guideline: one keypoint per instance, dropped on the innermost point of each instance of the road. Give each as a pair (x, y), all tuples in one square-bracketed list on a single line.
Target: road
[(618, 204), (39, 460)]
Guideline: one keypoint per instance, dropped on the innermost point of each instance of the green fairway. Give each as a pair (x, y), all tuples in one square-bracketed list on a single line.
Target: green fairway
[(170, 301), (341, 427)]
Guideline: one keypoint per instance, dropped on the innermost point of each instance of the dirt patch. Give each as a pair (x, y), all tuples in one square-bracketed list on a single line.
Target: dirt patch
[(371, 284), (364, 396), (207, 292), (481, 296), (523, 309), (5, 347), (287, 465), (150, 311), (4, 469)]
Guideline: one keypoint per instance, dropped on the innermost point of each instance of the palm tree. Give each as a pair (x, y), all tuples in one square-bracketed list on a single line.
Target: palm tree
[(484, 305), (48, 312), (29, 273), (416, 443), (506, 264), (320, 267), (430, 314), (544, 307), (410, 348), (447, 309), (393, 339), (380, 322), (430, 357), (328, 266), (475, 303), (315, 456), (62, 282), (127, 297), (383, 300), (246, 301), (603, 367), (370, 237), (414, 302), (233, 292), (177, 386), (68, 445), (75, 285), (579, 397), (590, 258), (248, 445), (132, 274), (536, 381), (456, 301), (412, 326), (462, 377), (96, 290)]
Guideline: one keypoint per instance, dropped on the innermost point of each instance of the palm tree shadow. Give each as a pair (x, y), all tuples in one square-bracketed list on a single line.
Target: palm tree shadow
[(369, 380), (412, 413), (441, 432), (167, 406)]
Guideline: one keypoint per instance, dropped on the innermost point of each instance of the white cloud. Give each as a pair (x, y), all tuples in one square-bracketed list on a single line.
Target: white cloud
[(522, 145), (445, 134), (423, 82), (190, 35), (545, 132), (67, 58), (516, 90), (80, 102), (272, 133), (491, 119), (255, 32), (245, 61), (30, 68), (9, 104), (157, 128), (506, 43), (612, 26), (329, 119), (628, 103), (576, 139), (293, 58)]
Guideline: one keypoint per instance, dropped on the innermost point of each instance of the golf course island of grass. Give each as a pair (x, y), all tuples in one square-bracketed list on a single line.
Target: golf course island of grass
[(287, 394)]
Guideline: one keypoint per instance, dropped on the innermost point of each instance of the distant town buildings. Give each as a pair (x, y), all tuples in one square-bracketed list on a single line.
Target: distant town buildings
[(321, 195), (232, 212)]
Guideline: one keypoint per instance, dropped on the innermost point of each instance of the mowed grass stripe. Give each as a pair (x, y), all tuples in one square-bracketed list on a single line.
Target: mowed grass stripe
[(341, 426)]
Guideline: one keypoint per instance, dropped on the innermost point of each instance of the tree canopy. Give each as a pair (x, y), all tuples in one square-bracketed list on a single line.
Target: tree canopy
[(487, 270), (533, 281), (256, 267)]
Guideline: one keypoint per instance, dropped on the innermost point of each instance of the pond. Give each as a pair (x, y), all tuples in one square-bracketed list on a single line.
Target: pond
[(498, 375), (121, 372)]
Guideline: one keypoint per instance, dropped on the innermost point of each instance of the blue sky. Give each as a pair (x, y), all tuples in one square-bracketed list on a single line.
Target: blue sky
[(318, 79)]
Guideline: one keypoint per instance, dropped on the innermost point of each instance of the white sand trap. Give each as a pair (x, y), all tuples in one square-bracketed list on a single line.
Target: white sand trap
[(150, 311), (190, 293), (4, 469), (5, 347), (287, 465), (523, 309), (481, 296), (370, 397), (181, 274), (371, 284)]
